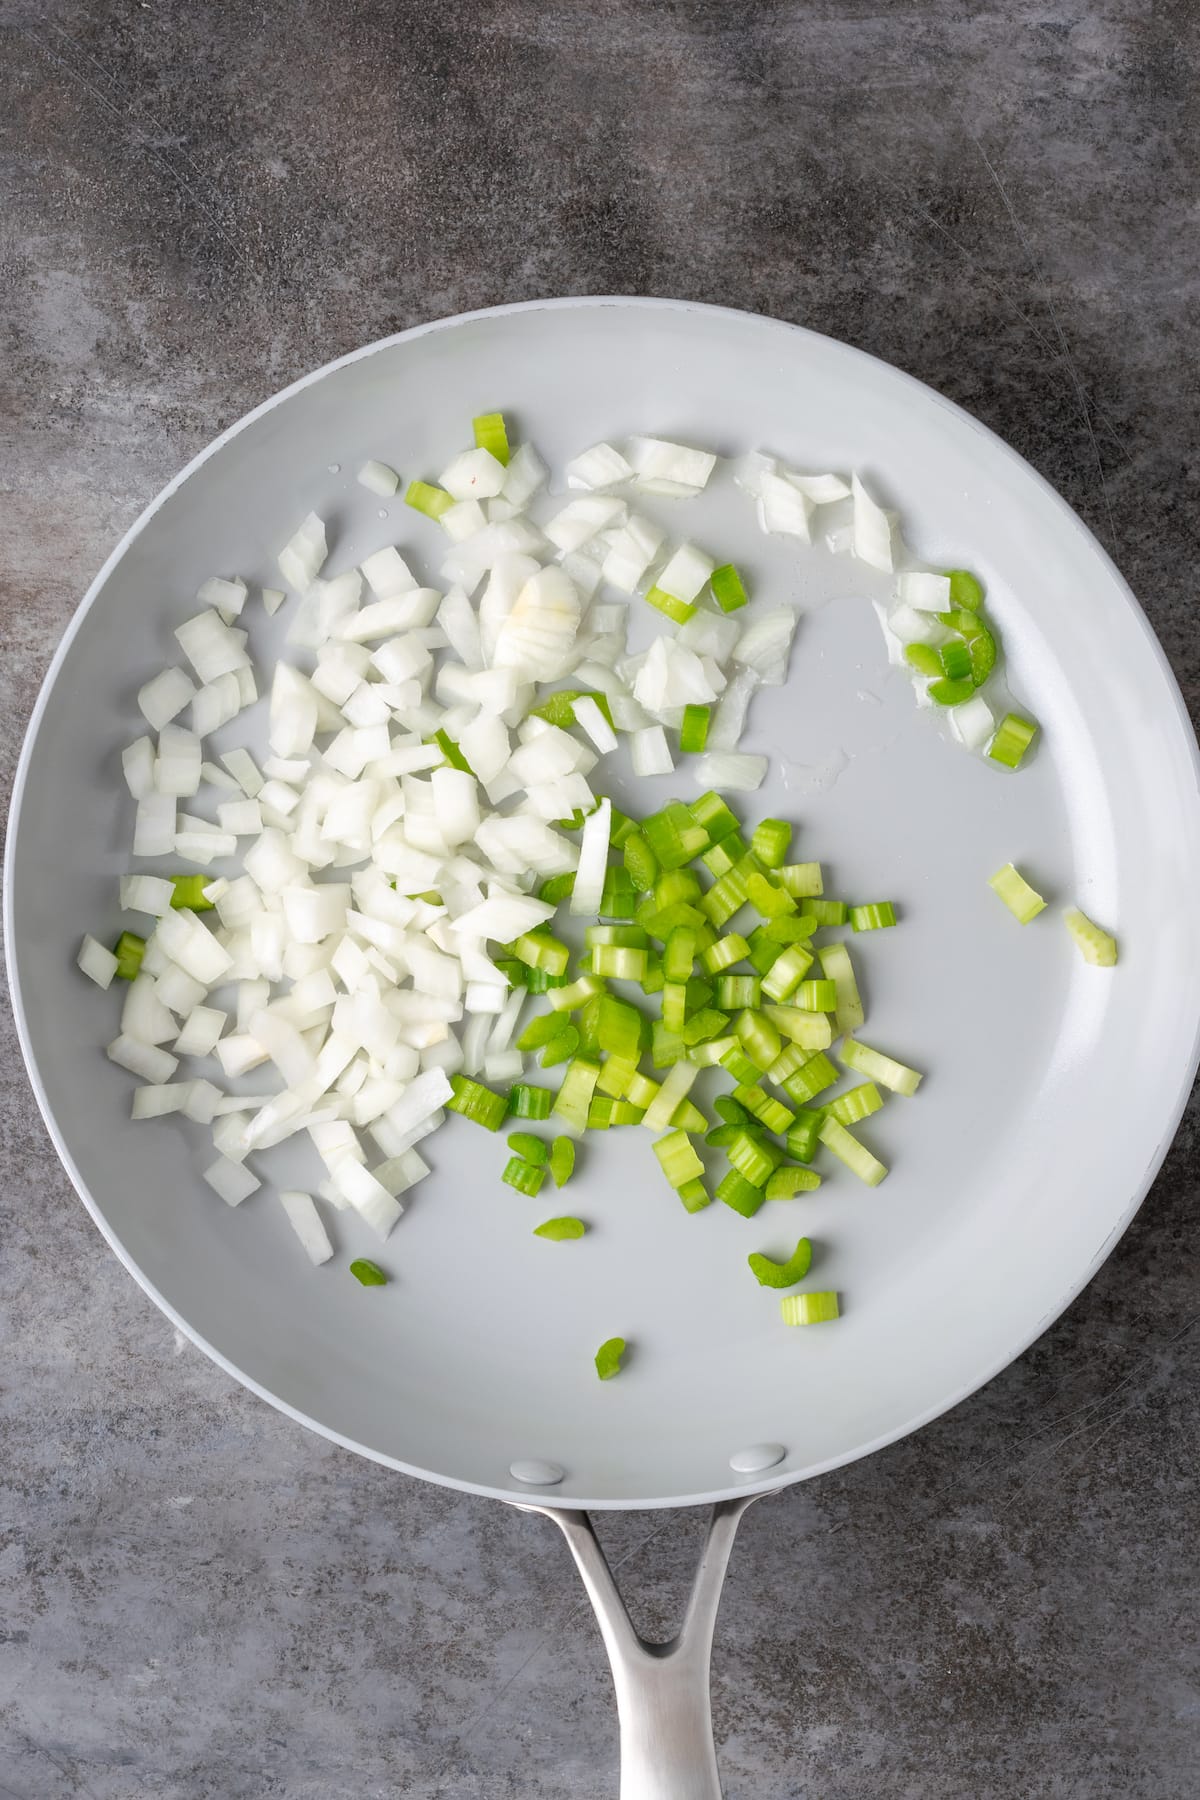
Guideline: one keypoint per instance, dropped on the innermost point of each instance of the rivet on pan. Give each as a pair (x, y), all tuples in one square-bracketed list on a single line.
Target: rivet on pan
[(756, 1457), (535, 1473)]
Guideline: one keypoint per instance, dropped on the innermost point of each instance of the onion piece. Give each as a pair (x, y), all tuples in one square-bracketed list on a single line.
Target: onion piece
[(164, 697), (303, 556), (301, 1211), (378, 478), (728, 771), (598, 468), (593, 861), (649, 751), (872, 529), (666, 468)]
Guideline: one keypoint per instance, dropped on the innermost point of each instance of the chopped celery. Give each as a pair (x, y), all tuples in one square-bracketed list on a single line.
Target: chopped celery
[(615, 1076), (450, 750), (559, 710), (528, 1102), (1022, 901), (619, 898), (735, 991), (727, 588), (674, 1005), (187, 893), (674, 835), (526, 1177), (678, 610), (924, 659), (678, 1159), (835, 961), (562, 1161), (533, 1149), (758, 1037), (802, 1139), (965, 590), (847, 1149), (765, 950), (540, 981), (808, 1309), (877, 1067), (703, 1025), (695, 1195), (812, 1079), (477, 1103), (619, 1027), (955, 659), (640, 861), (1095, 946), (876, 916), (769, 1112), (631, 936), (491, 434), (731, 1110), (724, 952), (722, 857), (557, 889), (424, 498), (786, 972), (693, 732), (541, 951), (753, 1160), (576, 993), (608, 1358), (575, 1095), (617, 963), (795, 930), (689, 1118), (857, 1103), (767, 897), (815, 996), (785, 1184), (770, 842), (539, 1031), (1012, 739), (739, 1065), (801, 880), (675, 887), (742, 1195), (560, 1048), (560, 1231), (711, 1051), (666, 1046), (679, 955), (640, 1090), (725, 897), (367, 1272), (714, 817), (769, 1273), (129, 950), (828, 912)]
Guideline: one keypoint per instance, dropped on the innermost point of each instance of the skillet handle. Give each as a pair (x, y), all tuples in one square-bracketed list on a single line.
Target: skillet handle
[(667, 1750)]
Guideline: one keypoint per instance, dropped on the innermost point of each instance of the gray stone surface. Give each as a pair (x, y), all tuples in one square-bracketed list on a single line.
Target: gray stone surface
[(199, 1601)]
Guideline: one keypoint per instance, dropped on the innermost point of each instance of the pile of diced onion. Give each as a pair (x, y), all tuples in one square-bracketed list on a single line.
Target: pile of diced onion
[(394, 835)]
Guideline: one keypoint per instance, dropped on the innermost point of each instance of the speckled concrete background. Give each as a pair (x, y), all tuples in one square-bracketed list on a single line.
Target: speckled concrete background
[(200, 1602)]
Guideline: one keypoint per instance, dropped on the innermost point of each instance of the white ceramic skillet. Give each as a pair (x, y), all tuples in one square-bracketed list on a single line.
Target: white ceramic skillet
[(1053, 1089)]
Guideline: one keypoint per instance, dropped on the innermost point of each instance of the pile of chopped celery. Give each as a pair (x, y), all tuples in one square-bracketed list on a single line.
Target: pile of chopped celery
[(711, 952)]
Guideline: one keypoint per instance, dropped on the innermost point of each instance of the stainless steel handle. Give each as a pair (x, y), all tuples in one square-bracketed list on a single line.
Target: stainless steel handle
[(667, 1750)]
